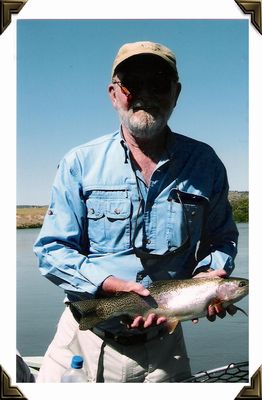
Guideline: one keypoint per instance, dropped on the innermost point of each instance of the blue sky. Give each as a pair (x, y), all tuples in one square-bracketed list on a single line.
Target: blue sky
[(63, 69)]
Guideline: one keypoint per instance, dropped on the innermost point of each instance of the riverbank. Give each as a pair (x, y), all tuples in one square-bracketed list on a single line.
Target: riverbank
[(30, 216), (33, 216)]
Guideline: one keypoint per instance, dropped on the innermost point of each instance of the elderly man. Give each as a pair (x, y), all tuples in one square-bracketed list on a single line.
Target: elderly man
[(140, 205)]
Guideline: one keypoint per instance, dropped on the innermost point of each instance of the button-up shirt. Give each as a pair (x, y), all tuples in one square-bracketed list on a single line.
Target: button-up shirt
[(104, 220)]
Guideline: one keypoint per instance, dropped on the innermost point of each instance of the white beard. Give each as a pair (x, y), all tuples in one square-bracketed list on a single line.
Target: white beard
[(141, 124)]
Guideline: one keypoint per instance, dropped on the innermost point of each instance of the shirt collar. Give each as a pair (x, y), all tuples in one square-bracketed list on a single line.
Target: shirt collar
[(170, 145)]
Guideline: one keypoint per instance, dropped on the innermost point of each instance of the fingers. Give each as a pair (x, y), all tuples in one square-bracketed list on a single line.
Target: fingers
[(141, 322), (113, 284), (160, 320), (216, 273), (231, 309), (137, 322), (217, 310), (195, 320), (151, 319), (139, 289)]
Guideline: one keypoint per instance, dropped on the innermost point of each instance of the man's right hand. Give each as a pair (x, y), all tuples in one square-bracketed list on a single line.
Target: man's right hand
[(113, 285)]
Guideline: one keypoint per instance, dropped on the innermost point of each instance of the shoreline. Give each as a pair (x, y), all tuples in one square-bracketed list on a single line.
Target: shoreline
[(30, 217)]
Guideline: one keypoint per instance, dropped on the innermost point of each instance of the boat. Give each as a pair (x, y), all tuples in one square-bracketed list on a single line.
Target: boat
[(233, 372)]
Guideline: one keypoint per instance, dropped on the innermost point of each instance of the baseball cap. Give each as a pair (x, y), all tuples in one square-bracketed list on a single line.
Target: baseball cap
[(137, 48)]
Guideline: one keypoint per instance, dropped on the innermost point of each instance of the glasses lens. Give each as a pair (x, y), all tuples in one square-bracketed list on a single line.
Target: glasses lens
[(161, 85), (158, 84)]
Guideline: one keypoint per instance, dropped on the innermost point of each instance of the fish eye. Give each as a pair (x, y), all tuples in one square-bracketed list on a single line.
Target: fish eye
[(242, 283)]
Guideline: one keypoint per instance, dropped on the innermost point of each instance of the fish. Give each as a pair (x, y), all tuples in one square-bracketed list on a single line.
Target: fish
[(177, 300)]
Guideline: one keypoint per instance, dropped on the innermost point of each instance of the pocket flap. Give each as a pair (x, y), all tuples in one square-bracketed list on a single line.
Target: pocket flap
[(187, 198), (95, 209), (118, 209)]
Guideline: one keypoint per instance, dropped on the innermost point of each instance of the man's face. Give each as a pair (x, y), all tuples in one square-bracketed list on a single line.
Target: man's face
[(144, 93)]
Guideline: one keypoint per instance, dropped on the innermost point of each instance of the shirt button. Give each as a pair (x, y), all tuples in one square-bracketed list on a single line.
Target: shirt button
[(193, 213), (50, 212), (117, 211), (92, 211), (148, 241)]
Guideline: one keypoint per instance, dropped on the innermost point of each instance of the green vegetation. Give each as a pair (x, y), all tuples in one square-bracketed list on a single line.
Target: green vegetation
[(239, 202)]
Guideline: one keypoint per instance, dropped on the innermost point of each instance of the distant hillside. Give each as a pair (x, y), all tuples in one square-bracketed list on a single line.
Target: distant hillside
[(28, 216), (239, 202)]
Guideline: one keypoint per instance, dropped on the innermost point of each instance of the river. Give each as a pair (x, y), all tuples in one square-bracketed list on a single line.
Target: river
[(40, 304)]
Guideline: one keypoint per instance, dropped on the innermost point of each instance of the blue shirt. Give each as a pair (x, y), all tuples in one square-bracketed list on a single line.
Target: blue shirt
[(101, 209)]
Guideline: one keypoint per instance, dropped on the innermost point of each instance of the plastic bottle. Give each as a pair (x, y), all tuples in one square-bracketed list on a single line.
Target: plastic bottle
[(75, 374)]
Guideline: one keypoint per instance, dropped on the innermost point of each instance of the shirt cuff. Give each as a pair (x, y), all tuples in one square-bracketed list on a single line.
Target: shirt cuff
[(216, 260)]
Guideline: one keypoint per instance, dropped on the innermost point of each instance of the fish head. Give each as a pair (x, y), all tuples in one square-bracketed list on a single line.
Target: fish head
[(231, 290)]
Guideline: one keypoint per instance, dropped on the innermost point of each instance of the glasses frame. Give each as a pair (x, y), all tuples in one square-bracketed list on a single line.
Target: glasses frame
[(123, 88)]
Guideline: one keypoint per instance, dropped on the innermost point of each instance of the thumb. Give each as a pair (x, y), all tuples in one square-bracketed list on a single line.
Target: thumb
[(140, 289), (219, 273)]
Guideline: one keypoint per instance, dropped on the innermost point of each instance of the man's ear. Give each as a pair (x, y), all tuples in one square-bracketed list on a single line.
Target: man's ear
[(112, 94), (177, 92)]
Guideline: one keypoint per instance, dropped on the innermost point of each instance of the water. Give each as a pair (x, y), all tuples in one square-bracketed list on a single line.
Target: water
[(40, 304)]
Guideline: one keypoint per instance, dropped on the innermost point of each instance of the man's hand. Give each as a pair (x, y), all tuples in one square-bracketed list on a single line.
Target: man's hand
[(113, 285), (215, 310)]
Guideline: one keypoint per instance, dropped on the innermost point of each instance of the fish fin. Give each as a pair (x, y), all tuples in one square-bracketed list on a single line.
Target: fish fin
[(89, 322), (84, 311), (171, 325)]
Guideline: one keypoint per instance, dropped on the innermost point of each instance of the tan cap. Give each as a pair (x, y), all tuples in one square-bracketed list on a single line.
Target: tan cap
[(132, 49)]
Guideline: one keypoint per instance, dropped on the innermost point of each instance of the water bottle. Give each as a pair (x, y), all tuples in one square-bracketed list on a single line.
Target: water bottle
[(75, 374)]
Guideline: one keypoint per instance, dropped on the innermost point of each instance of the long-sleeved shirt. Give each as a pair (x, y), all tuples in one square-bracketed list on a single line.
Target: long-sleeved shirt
[(103, 220)]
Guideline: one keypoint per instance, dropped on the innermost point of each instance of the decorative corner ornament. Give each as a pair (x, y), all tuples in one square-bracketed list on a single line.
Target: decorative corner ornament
[(255, 9), (7, 8), (6, 390), (254, 391)]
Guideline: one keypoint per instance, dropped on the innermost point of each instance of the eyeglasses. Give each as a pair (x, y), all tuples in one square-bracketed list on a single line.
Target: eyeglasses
[(158, 84)]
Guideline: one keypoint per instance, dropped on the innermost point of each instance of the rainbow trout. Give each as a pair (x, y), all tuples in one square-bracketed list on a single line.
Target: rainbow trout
[(177, 300)]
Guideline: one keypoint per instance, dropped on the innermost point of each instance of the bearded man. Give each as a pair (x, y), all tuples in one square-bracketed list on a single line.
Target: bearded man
[(142, 204)]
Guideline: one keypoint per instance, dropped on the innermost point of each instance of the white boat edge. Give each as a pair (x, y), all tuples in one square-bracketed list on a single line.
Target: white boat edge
[(34, 363)]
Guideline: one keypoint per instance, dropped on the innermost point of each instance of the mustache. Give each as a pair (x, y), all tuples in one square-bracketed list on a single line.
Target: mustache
[(144, 104)]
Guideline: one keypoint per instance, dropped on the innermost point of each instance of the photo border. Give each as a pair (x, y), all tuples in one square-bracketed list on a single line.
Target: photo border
[(7, 9)]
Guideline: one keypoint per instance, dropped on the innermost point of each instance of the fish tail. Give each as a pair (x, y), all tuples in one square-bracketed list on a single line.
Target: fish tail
[(85, 313)]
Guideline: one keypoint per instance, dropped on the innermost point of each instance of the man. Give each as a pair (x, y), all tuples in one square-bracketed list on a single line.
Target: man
[(140, 205)]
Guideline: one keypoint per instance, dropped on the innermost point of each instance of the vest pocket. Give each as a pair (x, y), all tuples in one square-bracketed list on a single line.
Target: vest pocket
[(186, 213), (108, 224)]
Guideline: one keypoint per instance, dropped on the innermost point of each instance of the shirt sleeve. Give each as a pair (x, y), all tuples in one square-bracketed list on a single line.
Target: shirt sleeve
[(218, 245), (62, 242)]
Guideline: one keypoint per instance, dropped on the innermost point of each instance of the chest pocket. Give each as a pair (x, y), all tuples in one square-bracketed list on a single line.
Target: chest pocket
[(108, 224), (186, 218)]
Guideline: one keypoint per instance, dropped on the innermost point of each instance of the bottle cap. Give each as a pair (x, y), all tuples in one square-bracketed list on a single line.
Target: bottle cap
[(77, 362)]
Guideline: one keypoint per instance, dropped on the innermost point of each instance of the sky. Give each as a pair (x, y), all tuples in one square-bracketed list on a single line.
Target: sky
[(63, 70)]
